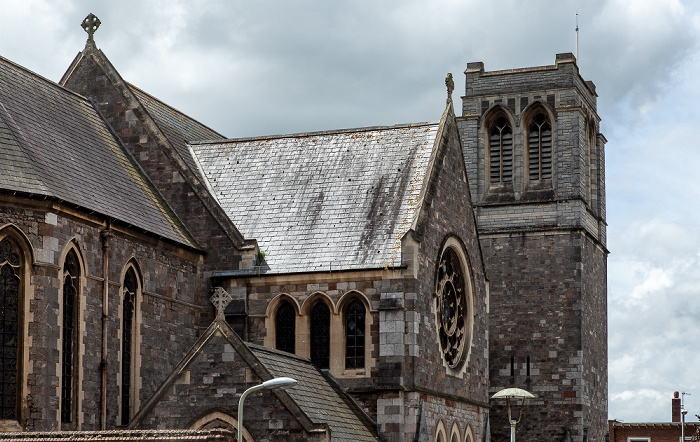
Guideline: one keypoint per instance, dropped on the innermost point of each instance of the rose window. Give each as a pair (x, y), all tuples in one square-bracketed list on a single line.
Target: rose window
[(452, 308)]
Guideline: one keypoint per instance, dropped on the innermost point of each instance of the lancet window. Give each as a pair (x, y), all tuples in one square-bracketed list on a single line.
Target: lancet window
[(320, 335), (355, 335), (540, 148), (10, 282), (501, 150), (71, 287), (285, 327)]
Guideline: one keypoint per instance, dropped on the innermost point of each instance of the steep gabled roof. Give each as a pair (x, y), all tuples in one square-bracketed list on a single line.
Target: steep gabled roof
[(325, 401), (169, 129), (316, 401), (326, 200), (178, 127), (55, 144)]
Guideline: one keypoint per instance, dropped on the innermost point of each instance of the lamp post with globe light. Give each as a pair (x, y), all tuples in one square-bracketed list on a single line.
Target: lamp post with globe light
[(271, 384), (508, 394)]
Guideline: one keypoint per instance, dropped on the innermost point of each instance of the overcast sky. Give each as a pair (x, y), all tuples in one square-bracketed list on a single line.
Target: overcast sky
[(270, 67)]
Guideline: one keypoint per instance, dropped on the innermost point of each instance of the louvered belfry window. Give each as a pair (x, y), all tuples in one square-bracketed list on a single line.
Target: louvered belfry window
[(501, 151), (355, 335), (10, 272), (540, 148), (129, 293), (320, 335), (285, 327), (71, 280)]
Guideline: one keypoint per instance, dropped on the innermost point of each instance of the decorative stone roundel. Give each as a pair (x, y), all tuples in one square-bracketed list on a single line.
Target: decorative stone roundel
[(452, 308)]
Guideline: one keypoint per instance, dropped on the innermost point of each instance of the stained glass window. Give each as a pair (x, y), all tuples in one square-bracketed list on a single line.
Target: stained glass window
[(9, 324), (452, 308), (71, 283), (285, 323), (320, 335), (355, 335), (129, 299)]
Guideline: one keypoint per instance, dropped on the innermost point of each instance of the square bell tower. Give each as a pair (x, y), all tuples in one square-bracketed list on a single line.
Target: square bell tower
[(536, 166)]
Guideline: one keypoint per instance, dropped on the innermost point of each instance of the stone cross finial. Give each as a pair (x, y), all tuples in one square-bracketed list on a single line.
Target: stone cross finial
[(220, 299), (90, 25), (450, 87)]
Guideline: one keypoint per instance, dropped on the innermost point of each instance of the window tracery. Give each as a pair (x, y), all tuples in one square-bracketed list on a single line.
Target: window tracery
[(10, 280), (540, 147), (355, 335), (501, 150), (128, 306), (452, 307), (71, 284)]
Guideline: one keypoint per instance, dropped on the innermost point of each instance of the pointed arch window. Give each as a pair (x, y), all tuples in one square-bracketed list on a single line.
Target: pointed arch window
[(10, 282), (501, 150), (130, 288), (320, 335), (285, 327), (540, 147), (71, 287), (355, 335)]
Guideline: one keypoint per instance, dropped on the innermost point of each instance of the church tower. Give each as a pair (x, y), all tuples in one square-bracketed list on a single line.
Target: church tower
[(536, 167)]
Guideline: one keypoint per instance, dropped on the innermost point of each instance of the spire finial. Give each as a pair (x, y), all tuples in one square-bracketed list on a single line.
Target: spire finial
[(90, 25), (450, 87), (220, 299)]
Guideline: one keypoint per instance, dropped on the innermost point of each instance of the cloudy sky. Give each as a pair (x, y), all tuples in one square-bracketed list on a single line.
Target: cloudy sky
[(279, 66)]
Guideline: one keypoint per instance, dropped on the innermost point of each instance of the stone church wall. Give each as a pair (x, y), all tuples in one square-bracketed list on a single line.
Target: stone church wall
[(172, 282), (129, 124), (214, 381)]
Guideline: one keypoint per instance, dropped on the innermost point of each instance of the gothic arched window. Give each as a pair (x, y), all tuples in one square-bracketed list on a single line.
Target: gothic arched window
[(540, 147), (10, 273), (71, 287), (285, 327), (129, 291), (355, 335), (501, 150), (320, 335)]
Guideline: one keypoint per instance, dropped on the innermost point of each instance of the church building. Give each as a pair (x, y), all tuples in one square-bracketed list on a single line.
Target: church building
[(153, 269)]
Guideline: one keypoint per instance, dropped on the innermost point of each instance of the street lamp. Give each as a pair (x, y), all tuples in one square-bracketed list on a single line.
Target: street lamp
[(271, 384), (509, 393), (683, 413)]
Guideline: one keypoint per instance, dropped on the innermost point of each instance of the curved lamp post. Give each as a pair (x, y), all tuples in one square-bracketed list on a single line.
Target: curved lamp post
[(508, 393), (271, 384)]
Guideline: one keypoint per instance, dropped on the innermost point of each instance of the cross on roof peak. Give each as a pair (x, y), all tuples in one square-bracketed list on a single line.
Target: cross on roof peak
[(90, 25), (221, 298)]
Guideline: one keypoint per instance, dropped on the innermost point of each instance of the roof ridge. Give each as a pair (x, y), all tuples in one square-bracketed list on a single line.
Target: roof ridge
[(171, 107), (318, 133), (44, 79)]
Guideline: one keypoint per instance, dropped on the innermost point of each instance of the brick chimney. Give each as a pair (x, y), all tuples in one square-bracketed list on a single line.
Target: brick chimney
[(675, 408)]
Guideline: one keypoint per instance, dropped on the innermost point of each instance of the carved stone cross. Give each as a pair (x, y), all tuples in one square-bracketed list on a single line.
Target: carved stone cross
[(450, 86), (220, 299), (90, 25)]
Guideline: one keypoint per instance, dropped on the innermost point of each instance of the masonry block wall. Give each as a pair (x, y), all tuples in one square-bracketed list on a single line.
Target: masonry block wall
[(94, 77), (214, 381), (171, 280), (405, 381), (544, 250)]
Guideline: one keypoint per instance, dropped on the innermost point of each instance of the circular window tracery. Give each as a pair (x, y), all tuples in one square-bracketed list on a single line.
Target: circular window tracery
[(452, 307)]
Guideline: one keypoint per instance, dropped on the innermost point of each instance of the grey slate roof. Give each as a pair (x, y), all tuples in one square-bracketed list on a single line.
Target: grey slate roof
[(178, 127), (54, 143), (320, 398), (326, 200)]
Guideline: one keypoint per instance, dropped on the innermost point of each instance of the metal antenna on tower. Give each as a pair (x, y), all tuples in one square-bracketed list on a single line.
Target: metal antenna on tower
[(683, 395), (577, 35)]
